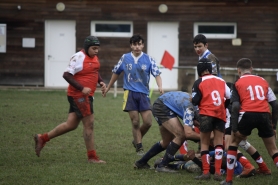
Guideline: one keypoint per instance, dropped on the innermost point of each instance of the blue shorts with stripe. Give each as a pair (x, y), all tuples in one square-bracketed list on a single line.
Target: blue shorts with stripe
[(136, 101)]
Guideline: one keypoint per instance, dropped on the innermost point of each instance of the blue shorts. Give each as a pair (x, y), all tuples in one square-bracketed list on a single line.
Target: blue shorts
[(135, 101)]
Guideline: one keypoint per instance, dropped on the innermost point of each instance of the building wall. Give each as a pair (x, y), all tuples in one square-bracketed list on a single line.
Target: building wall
[(257, 26)]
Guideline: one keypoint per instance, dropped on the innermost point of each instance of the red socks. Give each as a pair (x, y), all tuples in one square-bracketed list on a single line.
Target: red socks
[(205, 161), (218, 158), (45, 137), (244, 161), (231, 160), (92, 154)]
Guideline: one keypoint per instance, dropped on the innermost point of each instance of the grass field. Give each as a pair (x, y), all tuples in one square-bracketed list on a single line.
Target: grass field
[(63, 160)]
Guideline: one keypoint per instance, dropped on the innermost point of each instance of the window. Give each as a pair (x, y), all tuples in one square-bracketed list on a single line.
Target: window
[(112, 28), (216, 30)]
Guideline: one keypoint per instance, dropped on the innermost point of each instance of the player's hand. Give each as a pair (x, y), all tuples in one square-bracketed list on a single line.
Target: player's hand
[(161, 91), (86, 90), (103, 87), (104, 92), (191, 154)]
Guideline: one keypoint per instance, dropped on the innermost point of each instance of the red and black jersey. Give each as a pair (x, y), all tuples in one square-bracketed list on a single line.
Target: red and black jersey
[(85, 71), (253, 93), (210, 92)]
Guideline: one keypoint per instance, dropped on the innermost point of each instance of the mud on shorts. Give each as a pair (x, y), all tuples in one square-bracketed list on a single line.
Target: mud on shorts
[(208, 124), (161, 112), (260, 120), (136, 101), (82, 106)]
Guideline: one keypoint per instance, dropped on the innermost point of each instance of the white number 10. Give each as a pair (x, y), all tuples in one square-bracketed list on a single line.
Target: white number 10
[(259, 92)]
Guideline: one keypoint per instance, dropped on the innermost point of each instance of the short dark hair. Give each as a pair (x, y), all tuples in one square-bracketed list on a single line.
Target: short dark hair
[(136, 38), (244, 63), (200, 39)]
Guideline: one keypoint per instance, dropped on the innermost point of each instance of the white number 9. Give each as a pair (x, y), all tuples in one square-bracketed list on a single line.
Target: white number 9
[(216, 98)]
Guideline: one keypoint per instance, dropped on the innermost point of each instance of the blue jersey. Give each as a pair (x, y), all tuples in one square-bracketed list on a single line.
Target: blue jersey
[(179, 102), (137, 71)]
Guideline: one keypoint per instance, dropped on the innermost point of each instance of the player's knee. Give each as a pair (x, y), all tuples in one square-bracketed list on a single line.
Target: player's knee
[(245, 145)]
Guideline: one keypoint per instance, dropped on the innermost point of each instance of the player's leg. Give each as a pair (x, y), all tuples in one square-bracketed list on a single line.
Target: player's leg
[(147, 122), (88, 135), (206, 127), (172, 137), (252, 151), (271, 148), (74, 117), (268, 135), (137, 137)]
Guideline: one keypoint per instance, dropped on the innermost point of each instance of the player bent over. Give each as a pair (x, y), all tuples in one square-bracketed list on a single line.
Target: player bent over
[(167, 110)]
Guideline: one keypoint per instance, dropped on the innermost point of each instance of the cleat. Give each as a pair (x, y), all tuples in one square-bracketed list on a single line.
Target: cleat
[(203, 177), (138, 165), (217, 177), (165, 169), (39, 144), (96, 160), (157, 162), (140, 151), (247, 172), (226, 183), (263, 172)]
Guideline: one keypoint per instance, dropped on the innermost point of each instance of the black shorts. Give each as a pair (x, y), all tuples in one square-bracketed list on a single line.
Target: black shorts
[(161, 112), (208, 124), (82, 106), (228, 131), (260, 120)]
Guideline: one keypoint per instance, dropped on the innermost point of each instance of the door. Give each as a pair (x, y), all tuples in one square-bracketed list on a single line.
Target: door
[(164, 36), (60, 44)]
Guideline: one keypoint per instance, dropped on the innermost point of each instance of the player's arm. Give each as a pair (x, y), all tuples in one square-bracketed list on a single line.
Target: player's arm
[(227, 96), (159, 83), (71, 70), (196, 93), (274, 107), (274, 113), (235, 109), (115, 75), (188, 121), (113, 79)]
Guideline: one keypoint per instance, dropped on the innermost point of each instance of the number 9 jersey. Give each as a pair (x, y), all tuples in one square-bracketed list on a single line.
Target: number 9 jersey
[(210, 92)]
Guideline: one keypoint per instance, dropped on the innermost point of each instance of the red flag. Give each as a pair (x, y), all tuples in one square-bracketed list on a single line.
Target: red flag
[(167, 60)]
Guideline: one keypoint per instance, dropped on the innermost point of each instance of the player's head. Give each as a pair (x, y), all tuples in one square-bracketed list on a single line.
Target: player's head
[(136, 39), (244, 65), (90, 41), (200, 44), (203, 66), (136, 44)]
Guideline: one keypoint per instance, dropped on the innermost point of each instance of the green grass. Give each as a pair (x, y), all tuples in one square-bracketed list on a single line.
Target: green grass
[(63, 160)]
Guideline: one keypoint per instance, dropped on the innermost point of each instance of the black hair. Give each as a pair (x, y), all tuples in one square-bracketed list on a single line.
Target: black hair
[(136, 39), (200, 39), (90, 41), (204, 64), (244, 63)]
